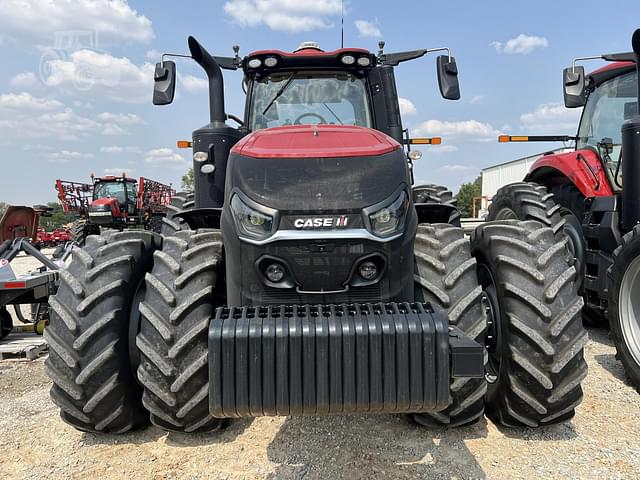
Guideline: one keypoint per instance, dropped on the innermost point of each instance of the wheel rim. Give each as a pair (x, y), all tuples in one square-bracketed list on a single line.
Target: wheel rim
[(629, 308), (134, 326), (506, 214), (491, 307), (573, 230)]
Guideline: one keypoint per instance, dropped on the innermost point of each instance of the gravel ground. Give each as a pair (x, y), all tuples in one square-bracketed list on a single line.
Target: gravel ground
[(602, 441)]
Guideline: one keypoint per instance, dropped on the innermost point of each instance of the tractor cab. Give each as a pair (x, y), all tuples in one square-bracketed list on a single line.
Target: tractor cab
[(317, 165), (113, 197), (611, 101)]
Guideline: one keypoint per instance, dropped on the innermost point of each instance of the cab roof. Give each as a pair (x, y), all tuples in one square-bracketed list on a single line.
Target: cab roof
[(309, 58), (613, 69)]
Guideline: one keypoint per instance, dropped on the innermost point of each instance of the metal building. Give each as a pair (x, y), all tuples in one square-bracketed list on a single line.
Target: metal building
[(503, 174)]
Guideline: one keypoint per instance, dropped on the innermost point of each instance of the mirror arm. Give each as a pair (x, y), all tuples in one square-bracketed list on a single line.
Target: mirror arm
[(180, 55), (440, 49), (394, 59)]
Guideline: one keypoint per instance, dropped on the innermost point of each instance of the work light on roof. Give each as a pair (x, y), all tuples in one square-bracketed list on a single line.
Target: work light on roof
[(270, 62), (348, 59), (255, 63)]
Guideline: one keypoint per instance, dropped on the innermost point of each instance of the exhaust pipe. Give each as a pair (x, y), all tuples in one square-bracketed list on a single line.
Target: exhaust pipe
[(631, 156), (216, 85)]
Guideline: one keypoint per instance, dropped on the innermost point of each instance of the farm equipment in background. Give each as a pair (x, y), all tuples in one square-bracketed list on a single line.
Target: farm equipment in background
[(116, 202), (582, 193), (18, 233), (306, 276)]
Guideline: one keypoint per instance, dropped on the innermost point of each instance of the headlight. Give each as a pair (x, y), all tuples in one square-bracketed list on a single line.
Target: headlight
[(390, 219), (249, 221)]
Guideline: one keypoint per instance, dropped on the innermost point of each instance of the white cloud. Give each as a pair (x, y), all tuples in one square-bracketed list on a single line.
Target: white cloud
[(132, 149), (165, 157), (153, 55), (118, 171), (69, 21), (368, 29), (466, 128), (283, 15), (66, 156), (551, 118), (25, 102), (113, 129), (522, 44), (476, 99), (111, 149), (121, 118), (194, 84), (407, 107), (115, 78), (25, 116), (25, 79)]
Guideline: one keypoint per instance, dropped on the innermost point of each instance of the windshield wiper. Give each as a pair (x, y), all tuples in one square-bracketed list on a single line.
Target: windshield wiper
[(279, 92), (333, 113)]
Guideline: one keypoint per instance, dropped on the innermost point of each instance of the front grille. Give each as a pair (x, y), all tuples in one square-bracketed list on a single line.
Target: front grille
[(321, 265), (277, 296)]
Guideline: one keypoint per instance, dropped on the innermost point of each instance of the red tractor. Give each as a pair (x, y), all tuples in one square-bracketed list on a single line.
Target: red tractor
[(307, 275), (581, 194), (116, 202)]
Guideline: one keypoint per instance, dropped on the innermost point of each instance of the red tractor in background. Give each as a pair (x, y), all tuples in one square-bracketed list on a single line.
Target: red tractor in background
[(116, 202), (581, 193)]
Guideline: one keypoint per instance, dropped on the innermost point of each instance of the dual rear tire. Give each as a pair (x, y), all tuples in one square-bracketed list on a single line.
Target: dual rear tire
[(513, 290)]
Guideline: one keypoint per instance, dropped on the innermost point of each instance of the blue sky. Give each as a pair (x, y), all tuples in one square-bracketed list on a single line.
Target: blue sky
[(75, 88)]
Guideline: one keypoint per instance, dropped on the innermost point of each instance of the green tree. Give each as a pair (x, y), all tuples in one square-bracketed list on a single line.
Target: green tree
[(188, 181), (58, 218), (466, 195)]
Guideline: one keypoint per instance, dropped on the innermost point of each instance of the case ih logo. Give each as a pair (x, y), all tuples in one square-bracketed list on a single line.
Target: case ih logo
[(321, 222)]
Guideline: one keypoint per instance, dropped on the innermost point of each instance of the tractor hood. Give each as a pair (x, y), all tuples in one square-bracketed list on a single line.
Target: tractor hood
[(109, 204), (317, 168), (314, 141)]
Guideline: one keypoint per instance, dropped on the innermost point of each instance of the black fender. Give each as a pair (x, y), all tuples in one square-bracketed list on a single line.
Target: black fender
[(437, 213), (201, 217)]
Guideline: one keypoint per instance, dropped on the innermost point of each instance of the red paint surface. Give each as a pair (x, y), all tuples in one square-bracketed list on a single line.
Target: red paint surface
[(309, 141), (309, 52), (611, 66), (569, 165)]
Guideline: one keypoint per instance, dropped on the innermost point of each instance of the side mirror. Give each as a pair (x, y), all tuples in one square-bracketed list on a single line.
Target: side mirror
[(164, 83), (575, 94), (448, 77)]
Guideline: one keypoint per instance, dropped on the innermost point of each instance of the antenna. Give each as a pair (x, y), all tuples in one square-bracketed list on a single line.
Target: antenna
[(342, 24)]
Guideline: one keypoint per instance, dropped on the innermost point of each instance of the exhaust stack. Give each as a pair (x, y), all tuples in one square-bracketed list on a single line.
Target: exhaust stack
[(216, 85), (631, 156)]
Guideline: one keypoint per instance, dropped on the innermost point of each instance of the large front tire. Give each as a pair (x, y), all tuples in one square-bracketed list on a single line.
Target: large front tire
[(179, 203), (624, 304), (81, 229), (526, 201), (181, 297), (445, 276), (88, 334), (536, 338)]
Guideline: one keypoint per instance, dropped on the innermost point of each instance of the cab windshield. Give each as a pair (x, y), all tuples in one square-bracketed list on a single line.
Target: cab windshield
[(114, 190), (607, 108), (309, 98)]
